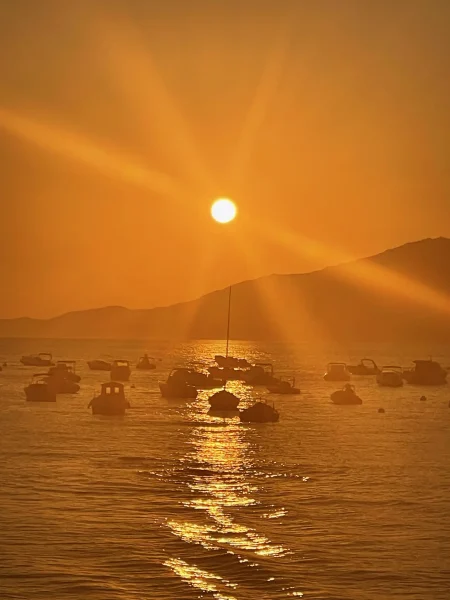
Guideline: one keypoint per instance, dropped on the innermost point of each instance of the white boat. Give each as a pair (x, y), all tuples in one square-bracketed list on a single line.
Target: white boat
[(44, 359), (390, 376), (337, 372)]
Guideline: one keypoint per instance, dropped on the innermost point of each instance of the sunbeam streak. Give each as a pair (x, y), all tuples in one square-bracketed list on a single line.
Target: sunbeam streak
[(75, 147)]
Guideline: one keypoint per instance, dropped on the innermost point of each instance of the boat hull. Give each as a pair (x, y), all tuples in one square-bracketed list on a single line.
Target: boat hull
[(99, 365), (174, 391), (109, 406), (39, 393), (120, 373), (259, 413), (345, 398)]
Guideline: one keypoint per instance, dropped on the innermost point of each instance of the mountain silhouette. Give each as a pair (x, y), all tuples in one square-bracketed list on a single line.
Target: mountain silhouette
[(401, 294)]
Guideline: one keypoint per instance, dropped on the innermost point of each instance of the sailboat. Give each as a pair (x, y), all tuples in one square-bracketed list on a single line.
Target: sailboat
[(223, 400)]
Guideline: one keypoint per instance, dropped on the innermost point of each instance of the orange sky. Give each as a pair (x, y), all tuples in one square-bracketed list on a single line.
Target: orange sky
[(120, 121)]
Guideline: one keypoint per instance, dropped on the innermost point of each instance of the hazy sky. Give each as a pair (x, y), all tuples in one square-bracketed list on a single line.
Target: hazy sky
[(121, 120)]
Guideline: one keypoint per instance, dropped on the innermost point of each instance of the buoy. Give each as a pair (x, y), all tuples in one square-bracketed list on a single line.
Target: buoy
[(422, 398), (381, 410), (132, 385)]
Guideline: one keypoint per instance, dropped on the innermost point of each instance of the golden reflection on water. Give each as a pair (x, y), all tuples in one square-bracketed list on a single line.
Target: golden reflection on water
[(200, 579), (220, 484), (220, 470)]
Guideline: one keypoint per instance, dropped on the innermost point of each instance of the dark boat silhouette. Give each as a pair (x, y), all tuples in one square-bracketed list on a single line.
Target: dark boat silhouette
[(44, 359), (261, 412), (337, 372), (346, 396), (259, 374), (39, 390), (200, 380), (232, 362), (283, 386), (223, 400), (390, 376), (367, 366), (99, 365), (65, 369), (111, 401), (177, 387), (60, 385), (426, 372), (120, 370), (144, 363)]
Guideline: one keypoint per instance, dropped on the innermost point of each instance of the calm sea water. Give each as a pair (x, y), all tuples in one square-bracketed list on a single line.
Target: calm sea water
[(171, 503)]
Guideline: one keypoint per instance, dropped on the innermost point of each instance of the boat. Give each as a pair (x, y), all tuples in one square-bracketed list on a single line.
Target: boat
[(44, 359), (39, 390), (231, 361), (223, 400), (346, 396), (337, 372), (120, 370), (284, 386), (229, 367), (226, 373), (390, 376), (426, 372), (367, 366), (60, 385), (99, 365), (145, 364), (176, 386), (111, 401), (259, 374), (261, 412), (65, 369), (202, 381)]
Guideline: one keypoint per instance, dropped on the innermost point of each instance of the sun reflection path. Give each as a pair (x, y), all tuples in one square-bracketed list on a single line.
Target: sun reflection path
[(220, 464)]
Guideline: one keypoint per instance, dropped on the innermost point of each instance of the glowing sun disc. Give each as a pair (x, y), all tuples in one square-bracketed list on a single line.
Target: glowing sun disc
[(223, 210)]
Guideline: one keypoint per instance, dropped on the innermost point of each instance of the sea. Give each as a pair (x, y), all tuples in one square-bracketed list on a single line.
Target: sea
[(168, 502)]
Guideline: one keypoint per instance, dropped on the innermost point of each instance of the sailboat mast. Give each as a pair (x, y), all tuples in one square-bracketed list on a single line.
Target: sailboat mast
[(228, 323)]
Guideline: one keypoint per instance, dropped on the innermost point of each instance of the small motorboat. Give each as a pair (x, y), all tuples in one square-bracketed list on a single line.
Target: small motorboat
[(390, 376), (65, 369), (176, 387), (226, 373), (223, 401), (283, 386), (346, 396), (426, 372), (259, 374), (39, 390), (60, 385), (337, 372), (99, 365), (44, 359), (144, 363), (111, 401), (202, 381), (261, 412), (120, 370), (367, 366), (232, 362)]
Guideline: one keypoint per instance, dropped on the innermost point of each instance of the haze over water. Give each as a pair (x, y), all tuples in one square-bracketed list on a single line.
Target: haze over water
[(330, 503)]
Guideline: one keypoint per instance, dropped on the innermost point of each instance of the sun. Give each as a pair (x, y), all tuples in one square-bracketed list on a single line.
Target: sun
[(223, 210)]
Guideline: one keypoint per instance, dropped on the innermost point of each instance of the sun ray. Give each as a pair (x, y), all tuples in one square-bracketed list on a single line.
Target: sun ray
[(363, 272), (75, 147), (135, 73), (264, 95)]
